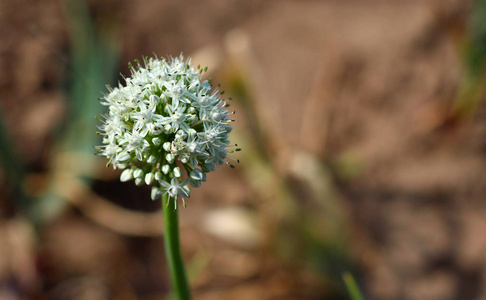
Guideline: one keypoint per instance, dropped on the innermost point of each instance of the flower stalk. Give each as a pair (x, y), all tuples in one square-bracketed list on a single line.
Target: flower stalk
[(173, 251)]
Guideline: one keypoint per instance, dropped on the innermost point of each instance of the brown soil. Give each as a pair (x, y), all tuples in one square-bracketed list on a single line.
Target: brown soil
[(344, 108)]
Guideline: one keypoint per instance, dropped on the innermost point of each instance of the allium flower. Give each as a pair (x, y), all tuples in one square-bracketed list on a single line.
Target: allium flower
[(165, 117)]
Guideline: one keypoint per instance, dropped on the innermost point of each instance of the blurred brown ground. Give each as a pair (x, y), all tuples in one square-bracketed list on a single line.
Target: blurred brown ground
[(347, 104)]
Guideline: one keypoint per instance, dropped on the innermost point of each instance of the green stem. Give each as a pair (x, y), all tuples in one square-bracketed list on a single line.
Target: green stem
[(173, 250)]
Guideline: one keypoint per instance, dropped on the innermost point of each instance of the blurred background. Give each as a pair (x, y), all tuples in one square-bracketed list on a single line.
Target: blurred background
[(363, 129)]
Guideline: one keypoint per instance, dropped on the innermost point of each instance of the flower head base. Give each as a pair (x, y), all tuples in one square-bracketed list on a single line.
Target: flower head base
[(163, 118)]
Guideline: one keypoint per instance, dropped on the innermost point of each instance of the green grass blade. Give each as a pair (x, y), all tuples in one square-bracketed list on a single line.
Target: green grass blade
[(352, 286)]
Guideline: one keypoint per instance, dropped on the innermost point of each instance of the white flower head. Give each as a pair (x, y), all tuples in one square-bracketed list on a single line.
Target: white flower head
[(163, 118)]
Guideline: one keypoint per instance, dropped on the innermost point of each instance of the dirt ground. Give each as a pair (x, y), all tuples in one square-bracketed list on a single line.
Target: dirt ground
[(344, 111)]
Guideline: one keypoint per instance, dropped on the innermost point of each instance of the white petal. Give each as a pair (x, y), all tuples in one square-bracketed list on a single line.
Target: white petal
[(126, 175), (149, 178), (165, 169), (177, 172), (152, 159), (138, 173), (170, 157), (123, 156), (155, 193)]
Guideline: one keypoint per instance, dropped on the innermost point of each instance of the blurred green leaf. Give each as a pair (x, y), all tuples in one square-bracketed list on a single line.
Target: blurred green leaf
[(352, 286), (476, 49), (471, 90), (93, 63), (13, 168)]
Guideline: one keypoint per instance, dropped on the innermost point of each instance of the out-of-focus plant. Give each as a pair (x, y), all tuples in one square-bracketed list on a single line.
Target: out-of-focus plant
[(352, 286), (13, 169), (473, 53), (93, 62), (306, 225)]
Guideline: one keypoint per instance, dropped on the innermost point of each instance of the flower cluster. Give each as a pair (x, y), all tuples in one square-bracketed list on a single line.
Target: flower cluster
[(163, 119)]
